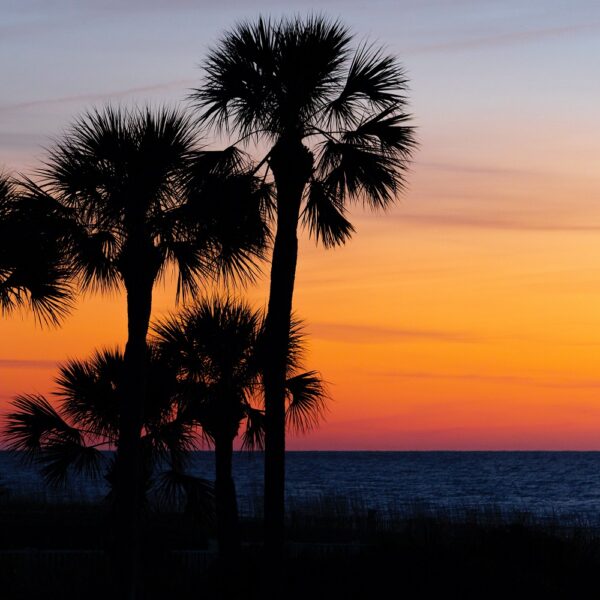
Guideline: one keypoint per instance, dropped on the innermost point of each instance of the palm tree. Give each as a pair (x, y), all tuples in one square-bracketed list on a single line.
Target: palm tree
[(335, 122), (33, 269), (143, 199), (204, 379), (216, 348), (69, 439)]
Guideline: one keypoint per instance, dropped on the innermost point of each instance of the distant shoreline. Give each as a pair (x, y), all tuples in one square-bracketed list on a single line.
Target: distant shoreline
[(260, 453)]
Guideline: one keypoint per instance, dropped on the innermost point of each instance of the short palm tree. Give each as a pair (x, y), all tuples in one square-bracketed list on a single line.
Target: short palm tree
[(334, 119), (143, 198), (216, 348), (70, 438), (33, 268)]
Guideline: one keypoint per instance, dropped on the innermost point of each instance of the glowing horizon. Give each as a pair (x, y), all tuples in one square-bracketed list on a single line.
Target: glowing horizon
[(465, 318)]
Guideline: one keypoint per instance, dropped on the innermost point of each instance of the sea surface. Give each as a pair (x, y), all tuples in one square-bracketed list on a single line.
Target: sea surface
[(546, 484)]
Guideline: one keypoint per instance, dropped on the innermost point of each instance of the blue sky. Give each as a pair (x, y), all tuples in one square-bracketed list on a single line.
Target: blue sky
[(471, 63)]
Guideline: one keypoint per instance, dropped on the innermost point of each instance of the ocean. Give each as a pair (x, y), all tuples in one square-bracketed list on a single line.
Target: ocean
[(545, 484)]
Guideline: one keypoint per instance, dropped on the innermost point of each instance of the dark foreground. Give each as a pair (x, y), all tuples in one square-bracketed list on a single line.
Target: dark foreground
[(333, 552)]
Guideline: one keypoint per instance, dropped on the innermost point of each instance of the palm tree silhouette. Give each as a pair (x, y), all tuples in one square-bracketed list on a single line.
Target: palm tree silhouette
[(204, 380), (33, 269), (216, 347), (70, 438), (335, 122), (142, 199)]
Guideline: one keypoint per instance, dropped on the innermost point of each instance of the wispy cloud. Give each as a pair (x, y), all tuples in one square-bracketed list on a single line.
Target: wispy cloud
[(452, 376), (19, 140), (484, 170), (17, 363), (96, 96), (372, 333), (504, 38), (493, 222), (577, 383)]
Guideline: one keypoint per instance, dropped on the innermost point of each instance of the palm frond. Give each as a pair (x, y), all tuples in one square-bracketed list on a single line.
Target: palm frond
[(323, 214), (89, 392), (374, 81), (171, 437), (386, 131), (296, 344), (253, 437), (220, 163), (191, 263), (267, 76), (41, 434), (62, 455), (239, 79), (361, 172), (41, 288), (34, 423), (123, 170), (96, 260), (114, 156), (34, 268), (232, 232), (311, 55), (176, 489), (6, 190), (210, 339), (307, 401)]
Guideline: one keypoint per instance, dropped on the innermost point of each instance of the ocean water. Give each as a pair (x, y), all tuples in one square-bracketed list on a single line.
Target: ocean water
[(564, 484)]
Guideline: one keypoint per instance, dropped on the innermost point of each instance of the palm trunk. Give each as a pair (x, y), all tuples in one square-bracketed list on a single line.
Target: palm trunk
[(277, 327), (227, 510), (128, 484), (291, 163)]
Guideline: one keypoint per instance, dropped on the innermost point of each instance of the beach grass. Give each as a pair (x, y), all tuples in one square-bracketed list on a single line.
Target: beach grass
[(337, 548)]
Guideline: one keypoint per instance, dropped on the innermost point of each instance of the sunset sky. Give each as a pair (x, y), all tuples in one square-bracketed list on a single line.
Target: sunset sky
[(468, 317)]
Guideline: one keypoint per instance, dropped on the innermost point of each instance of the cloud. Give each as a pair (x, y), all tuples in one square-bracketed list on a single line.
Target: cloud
[(491, 222), (503, 39), (20, 140), (94, 97), (365, 334), (475, 169), (478, 377), (451, 376), (17, 363)]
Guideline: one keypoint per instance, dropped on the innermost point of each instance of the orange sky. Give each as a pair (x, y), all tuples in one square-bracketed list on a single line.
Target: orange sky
[(469, 316), (433, 333)]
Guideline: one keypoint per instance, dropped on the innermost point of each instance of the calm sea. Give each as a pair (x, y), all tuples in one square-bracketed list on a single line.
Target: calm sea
[(544, 483)]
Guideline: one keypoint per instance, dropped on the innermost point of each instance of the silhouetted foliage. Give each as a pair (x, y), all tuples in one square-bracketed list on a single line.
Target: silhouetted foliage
[(335, 122), (301, 80), (34, 270), (69, 438), (142, 197), (205, 382), (216, 349)]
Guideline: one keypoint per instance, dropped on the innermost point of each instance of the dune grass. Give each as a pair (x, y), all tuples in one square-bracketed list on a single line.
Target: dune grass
[(337, 548)]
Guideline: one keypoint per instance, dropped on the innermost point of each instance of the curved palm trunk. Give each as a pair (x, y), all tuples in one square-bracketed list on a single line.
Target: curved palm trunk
[(291, 163), (128, 483), (225, 496)]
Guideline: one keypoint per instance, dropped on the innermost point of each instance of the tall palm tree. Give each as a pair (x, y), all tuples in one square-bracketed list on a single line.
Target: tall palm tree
[(69, 438), (216, 348), (143, 198), (33, 269), (334, 118)]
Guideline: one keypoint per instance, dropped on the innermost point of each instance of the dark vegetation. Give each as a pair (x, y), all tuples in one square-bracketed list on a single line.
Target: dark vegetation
[(335, 550)]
